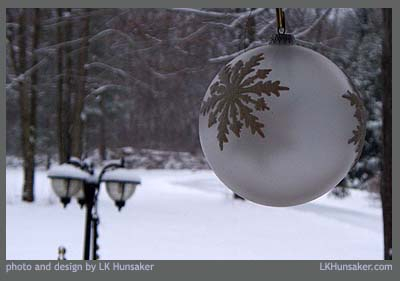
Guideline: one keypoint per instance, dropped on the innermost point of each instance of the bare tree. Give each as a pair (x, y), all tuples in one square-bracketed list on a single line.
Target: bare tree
[(68, 85), (61, 136), (27, 194), (77, 122), (386, 185), (27, 94), (102, 130)]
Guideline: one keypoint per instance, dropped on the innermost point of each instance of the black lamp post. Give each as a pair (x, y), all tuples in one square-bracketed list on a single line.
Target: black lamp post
[(77, 179)]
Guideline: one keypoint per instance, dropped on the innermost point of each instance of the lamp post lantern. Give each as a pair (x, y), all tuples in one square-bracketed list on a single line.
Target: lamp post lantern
[(67, 180), (120, 185), (78, 179)]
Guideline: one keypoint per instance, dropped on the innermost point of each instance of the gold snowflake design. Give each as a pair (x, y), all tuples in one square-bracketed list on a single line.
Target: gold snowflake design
[(233, 98), (360, 114)]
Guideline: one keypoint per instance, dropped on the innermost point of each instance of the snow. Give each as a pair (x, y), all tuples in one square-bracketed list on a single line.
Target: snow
[(119, 174), (127, 150), (182, 214), (160, 159), (67, 171)]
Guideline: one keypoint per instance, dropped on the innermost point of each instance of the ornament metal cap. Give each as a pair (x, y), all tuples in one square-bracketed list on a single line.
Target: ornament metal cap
[(282, 39)]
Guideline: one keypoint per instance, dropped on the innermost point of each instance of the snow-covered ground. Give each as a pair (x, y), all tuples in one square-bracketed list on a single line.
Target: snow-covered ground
[(191, 215)]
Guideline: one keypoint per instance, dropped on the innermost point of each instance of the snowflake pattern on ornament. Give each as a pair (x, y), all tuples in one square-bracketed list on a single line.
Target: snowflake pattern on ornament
[(233, 98), (360, 114)]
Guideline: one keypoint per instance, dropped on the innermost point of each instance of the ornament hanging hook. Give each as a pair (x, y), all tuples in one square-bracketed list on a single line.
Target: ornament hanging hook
[(280, 21)]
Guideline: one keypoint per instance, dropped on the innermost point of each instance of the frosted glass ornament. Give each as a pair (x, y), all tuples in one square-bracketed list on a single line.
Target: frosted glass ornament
[(281, 124)]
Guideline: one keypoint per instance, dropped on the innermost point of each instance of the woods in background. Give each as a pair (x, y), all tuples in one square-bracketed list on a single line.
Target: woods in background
[(85, 81)]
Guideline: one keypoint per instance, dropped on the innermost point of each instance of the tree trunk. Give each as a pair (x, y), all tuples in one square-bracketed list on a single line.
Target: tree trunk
[(102, 131), (28, 194), (27, 189), (250, 30), (386, 185), (60, 95), (77, 124), (68, 86), (13, 53), (19, 62)]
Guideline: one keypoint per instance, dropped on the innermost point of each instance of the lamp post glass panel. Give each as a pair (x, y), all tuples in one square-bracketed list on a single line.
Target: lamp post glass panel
[(66, 188), (78, 179), (120, 191), (120, 185), (67, 180), (80, 197)]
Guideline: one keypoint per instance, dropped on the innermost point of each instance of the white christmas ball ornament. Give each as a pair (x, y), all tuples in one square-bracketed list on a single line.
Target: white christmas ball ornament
[(281, 125)]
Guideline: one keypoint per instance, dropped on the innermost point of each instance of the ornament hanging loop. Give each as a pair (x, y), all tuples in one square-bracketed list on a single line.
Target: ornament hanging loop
[(280, 21)]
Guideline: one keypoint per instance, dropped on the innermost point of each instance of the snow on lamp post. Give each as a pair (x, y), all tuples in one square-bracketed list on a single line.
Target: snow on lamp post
[(78, 179)]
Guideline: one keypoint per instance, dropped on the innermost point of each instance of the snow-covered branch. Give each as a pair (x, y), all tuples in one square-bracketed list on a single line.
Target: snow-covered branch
[(170, 75), (206, 13), (67, 17), (12, 25), (245, 15), (239, 18), (59, 45), (109, 31), (266, 28), (109, 87), (95, 37), (118, 71), (317, 44), (229, 57), (313, 25), (22, 77)]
